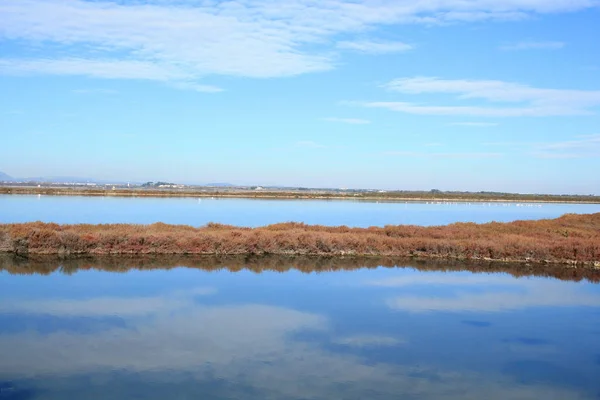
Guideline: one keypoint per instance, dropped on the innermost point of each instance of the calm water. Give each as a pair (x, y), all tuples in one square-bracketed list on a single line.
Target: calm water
[(385, 333), (248, 212)]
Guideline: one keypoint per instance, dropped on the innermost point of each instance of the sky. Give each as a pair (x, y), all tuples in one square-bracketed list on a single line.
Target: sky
[(477, 95)]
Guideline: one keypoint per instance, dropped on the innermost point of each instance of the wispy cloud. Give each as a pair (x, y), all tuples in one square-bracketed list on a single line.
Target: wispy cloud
[(581, 146), (374, 47), (532, 102), (309, 144), (533, 45), (94, 91), (420, 154), (586, 146), (474, 124), (185, 42), (353, 121), (582, 142), (109, 69)]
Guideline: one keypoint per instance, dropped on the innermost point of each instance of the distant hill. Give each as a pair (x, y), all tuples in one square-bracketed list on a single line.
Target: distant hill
[(5, 178), (57, 179)]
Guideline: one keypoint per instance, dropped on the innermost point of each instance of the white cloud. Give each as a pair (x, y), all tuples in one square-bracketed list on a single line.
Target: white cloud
[(353, 121), (532, 102), (373, 47), (529, 45), (184, 42)]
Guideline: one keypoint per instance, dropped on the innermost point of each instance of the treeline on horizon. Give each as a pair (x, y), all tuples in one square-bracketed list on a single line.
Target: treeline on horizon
[(49, 264), (571, 239), (300, 193)]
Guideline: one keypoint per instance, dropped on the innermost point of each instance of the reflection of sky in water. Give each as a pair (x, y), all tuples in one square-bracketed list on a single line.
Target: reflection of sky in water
[(377, 334), (252, 212)]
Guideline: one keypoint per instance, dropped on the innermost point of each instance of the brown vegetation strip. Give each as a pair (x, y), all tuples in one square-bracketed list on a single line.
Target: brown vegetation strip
[(570, 239)]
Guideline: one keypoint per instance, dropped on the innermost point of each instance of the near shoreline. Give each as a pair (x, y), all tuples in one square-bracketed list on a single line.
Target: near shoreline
[(571, 240), (391, 196)]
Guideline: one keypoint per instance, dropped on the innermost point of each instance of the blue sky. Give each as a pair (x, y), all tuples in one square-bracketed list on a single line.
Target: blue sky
[(405, 94)]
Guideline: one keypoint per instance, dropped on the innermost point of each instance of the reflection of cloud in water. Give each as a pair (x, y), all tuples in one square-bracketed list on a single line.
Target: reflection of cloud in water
[(248, 347), (539, 371), (436, 278), (113, 306), (369, 341), (528, 341), (501, 293), (476, 324)]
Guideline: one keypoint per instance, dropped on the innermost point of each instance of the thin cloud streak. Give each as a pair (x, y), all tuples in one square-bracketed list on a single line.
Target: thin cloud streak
[(418, 154), (374, 47), (309, 144), (538, 102), (531, 45), (587, 146), (352, 121), (474, 124)]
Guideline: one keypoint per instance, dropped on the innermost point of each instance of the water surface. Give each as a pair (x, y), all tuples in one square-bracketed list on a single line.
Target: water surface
[(383, 333), (257, 212)]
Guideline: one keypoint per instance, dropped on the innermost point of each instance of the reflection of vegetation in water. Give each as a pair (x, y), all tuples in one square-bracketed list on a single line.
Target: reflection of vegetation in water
[(573, 239), (45, 265)]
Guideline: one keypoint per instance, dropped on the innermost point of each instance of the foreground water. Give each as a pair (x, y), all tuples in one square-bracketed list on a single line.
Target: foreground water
[(384, 333), (251, 212)]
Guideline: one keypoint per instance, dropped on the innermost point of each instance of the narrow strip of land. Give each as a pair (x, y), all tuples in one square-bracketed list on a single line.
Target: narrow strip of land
[(570, 240), (325, 194)]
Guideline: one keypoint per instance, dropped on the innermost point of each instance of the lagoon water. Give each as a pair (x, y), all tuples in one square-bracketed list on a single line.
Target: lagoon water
[(383, 333), (251, 212)]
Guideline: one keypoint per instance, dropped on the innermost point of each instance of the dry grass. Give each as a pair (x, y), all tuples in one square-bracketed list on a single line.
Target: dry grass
[(571, 239)]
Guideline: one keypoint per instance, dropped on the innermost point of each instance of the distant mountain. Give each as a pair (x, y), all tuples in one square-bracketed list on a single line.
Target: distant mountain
[(58, 179), (5, 178)]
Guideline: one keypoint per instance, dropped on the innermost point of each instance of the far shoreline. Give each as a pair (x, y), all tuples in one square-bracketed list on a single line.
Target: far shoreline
[(391, 197)]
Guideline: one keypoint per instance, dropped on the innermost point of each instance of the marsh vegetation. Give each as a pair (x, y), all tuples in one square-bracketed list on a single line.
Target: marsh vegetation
[(571, 239)]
